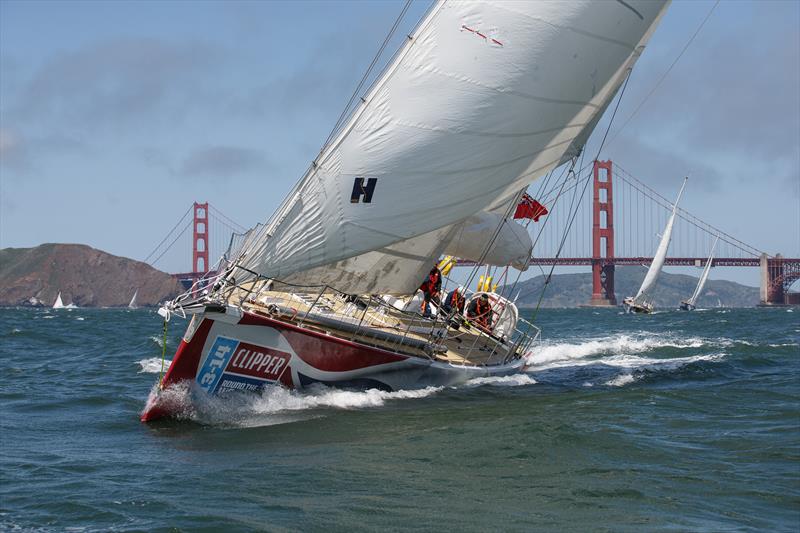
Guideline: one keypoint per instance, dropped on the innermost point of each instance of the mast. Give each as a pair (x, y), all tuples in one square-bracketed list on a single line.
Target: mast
[(703, 277), (661, 253)]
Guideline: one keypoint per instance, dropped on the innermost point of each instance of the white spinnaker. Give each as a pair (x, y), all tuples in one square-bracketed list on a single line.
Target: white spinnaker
[(508, 242), (704, 276), (399, 268), (661, 253), (481, 101)]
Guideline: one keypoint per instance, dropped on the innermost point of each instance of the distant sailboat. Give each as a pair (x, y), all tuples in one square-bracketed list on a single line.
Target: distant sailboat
[(640, 303), (689, 305), (132, 304), (59, 304)]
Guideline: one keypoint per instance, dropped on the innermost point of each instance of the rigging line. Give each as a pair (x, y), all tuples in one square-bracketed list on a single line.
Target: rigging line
[(222, 222), (229, 219), (547, 218), (512, 205), (583, 192), (167, 236), (663, 76), (346, 110), (527, 263), (544, 224), (186, 227), (682, 213)]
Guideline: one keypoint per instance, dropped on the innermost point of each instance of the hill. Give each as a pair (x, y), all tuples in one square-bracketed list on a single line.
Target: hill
[(573, 290), (85, 276)]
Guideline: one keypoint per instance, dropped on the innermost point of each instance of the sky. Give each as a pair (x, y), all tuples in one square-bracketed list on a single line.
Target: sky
[(116, 116)]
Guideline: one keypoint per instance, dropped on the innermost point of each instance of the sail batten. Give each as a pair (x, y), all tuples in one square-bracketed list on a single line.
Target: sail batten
[(445, 132)]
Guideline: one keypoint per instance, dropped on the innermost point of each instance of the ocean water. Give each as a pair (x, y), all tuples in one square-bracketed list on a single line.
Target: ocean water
[(668, 422)]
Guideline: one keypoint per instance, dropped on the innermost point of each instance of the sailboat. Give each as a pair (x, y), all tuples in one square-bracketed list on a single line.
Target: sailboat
[(132, 304), (482, 99), (59, 304), (641, 303), (689, 305)]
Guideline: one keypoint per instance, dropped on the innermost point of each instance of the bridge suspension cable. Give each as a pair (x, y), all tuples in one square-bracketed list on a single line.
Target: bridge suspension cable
[(212, 234), (656, 197), (159, 245)]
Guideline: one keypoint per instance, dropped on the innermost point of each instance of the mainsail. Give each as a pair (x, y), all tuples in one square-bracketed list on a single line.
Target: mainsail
[(483, 99), (661, 253), (703, 277), (58, 303)]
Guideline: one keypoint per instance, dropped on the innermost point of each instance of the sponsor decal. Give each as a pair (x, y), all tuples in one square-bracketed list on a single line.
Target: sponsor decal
[(363, 189), (236, 365)]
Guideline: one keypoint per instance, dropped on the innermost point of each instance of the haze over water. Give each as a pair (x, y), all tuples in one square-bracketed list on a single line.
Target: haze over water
[(673, 421)]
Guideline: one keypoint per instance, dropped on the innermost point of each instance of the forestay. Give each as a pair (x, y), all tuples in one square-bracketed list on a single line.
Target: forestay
[(483, 99)]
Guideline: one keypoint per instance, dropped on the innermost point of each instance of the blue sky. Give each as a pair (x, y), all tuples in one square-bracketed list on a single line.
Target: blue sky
[(115, 116)]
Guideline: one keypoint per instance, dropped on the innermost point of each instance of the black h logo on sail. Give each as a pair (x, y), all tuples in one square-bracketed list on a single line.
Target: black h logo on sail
[(359, 190)]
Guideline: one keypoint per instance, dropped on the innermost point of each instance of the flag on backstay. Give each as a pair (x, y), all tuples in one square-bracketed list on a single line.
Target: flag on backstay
[(529, 208)]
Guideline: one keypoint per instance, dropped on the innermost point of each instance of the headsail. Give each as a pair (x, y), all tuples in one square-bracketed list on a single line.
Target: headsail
[(703, 277), (481, 101), (661, 253)]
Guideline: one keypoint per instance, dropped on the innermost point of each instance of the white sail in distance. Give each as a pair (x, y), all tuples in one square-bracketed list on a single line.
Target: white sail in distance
[(59, 304), (703, 277), (661, 253), (132, 304), (484, 98)]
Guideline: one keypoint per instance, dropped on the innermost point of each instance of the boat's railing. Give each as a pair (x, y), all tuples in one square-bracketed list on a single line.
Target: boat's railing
[(370, 320)]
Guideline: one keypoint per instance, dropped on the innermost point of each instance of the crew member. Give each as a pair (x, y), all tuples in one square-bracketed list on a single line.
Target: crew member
[(430, 290), (480, 312), (454, 302)]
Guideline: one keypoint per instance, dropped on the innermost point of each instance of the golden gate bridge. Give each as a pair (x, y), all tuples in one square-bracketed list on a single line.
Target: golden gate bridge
[(620, 227)]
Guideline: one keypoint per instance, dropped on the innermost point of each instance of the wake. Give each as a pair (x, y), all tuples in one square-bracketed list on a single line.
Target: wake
[(620, 360)]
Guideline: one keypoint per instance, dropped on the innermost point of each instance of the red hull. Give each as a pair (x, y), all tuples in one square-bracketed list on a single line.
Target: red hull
[(251, 351)]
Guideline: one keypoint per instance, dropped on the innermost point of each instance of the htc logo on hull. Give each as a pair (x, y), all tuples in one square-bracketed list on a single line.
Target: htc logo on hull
[(361, 189)]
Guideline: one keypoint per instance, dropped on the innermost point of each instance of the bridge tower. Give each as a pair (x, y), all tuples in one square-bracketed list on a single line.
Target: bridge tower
[(200, 239), (603, 237), (777, 276)]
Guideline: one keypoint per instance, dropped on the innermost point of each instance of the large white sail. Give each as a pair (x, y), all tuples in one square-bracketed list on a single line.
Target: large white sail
[(59, 304), (661, 253), (703, 277), (482, 100)]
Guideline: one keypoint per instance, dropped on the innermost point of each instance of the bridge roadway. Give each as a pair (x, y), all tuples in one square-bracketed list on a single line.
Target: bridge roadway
[(636, 261)]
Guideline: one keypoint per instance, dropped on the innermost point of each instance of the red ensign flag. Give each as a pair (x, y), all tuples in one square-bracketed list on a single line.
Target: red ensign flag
[(529, 208)]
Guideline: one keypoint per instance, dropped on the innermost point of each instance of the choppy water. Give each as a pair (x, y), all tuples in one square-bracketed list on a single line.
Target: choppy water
[(674, 421)]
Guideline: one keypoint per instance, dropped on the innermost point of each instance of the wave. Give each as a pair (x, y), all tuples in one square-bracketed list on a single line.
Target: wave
[(618, 360), (638, 367), (514, 380), (152, 365), (550, 355), (276, 404), (279, 405), (158, 341)]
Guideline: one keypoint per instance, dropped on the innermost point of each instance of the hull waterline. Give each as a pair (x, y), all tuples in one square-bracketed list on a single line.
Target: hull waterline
[(222, 353)]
